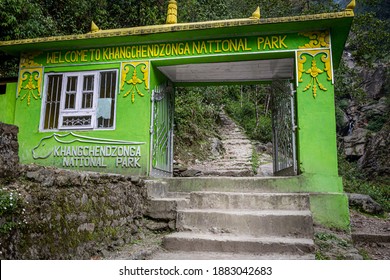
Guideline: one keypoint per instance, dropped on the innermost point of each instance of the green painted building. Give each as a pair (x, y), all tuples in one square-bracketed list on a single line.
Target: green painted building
[(104, 101)]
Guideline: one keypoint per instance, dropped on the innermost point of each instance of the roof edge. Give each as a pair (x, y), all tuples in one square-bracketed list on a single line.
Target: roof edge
[(164, 28)]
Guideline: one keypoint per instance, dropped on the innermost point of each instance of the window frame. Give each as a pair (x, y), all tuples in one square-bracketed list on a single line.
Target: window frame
[(78, 111)]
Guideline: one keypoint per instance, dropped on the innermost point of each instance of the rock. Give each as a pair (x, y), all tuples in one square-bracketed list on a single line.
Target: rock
[(260, 147), (354, 144), (348, 59), (191, 173), (178, 168), (375, 160), (374, 81), (172, 225), (216, 147), (90, 227), (379, 107), (156, 226), (364, 203), (270, 148)]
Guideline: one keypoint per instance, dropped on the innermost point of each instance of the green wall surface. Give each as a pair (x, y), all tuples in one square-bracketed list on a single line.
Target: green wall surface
[(132, 122), (317, 148), (7, 104)]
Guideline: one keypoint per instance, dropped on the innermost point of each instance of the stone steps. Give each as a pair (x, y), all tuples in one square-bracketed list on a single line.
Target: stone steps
[(234, 218), (254, 201), (165, 208), (237, 141), (228, 243), (183, 255), (247, 222), (231, 162), (233, 172), (230, 184)]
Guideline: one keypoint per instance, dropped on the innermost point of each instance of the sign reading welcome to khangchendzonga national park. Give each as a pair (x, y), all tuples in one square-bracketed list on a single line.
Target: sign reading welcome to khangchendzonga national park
[(176, 49)]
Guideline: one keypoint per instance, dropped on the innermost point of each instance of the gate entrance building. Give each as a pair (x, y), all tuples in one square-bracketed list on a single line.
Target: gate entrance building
[(104, 101)]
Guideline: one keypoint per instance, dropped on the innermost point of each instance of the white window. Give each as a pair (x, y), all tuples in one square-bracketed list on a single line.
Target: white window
[(79, 100)]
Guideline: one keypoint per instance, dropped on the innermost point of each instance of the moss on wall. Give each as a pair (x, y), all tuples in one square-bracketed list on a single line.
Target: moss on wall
[(72, 215)]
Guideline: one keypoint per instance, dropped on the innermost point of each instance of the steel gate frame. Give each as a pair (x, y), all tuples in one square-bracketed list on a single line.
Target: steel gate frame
[(161, 131), (283, 128)]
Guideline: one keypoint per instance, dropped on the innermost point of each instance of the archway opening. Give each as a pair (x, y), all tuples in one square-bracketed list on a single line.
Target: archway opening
[(244, 91)]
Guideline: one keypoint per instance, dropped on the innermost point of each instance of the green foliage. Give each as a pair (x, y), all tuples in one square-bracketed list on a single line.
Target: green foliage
[(255, 161), (370, 39), (317, 7), (250, 107), (195, 121), (320, 256), (348, 85), (11, 211), (324, 236), (355, 181), (364, 254), (376, 121), (21, 19), (331, 246), (197, 115)]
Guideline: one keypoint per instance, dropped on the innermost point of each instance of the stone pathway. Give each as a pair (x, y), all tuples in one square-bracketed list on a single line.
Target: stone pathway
[(233, 155)]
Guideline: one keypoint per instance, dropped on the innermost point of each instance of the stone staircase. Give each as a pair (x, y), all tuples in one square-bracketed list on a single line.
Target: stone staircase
[(220, 222), (237, 157)]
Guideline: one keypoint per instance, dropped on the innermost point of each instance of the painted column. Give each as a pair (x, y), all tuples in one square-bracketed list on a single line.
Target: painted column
[(316, 113), (317, 145)]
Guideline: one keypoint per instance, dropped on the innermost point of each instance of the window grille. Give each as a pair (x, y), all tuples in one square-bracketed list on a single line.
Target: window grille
[(52, 104), (80, 100)]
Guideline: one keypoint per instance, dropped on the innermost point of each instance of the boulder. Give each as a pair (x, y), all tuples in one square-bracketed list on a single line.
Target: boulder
[(216, 147), (364, 203), (374, 81), (354, 144), (375, 161)]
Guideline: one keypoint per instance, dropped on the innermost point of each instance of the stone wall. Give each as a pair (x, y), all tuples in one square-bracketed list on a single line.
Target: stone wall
[(9, 158), (50, 213)]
